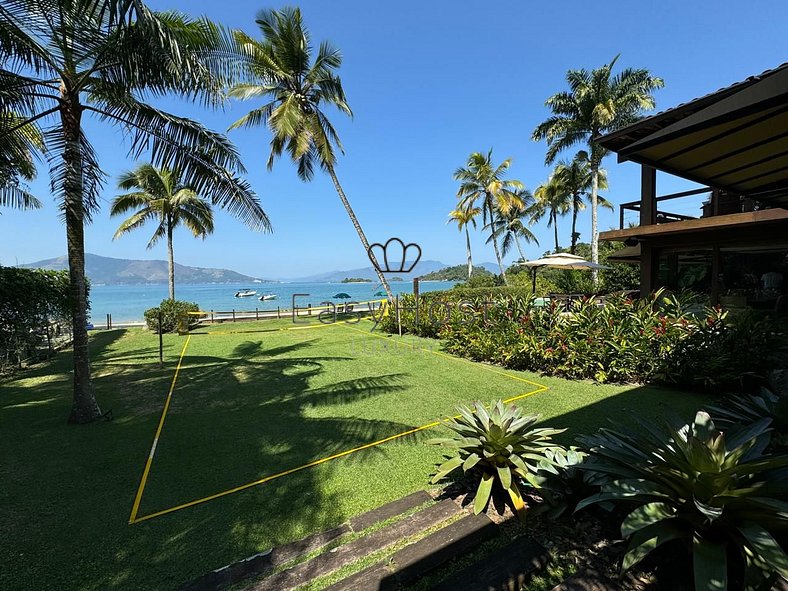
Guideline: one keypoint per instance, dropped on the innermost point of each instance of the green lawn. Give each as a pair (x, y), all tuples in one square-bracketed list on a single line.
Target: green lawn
[(245, 406)]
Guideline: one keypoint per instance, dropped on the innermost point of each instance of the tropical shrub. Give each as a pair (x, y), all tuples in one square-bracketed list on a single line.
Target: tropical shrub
[(720, 349), (621, 341), (720, 496), (172, 311), (500, 448), (31, 300), (665, 338)]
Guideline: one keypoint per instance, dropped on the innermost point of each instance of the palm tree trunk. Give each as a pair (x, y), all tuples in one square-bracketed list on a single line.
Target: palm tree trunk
[(519, 248), (468, 248), (84, 408), (594, 235), (574, 223), (495, 243), (171, 258), (555, 228), (360, 232)]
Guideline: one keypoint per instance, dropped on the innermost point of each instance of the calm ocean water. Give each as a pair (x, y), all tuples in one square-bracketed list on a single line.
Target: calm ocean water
[(127, 303)]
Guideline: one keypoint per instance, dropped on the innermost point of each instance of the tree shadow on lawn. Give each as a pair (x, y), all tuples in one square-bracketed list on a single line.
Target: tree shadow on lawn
[(601, 405), (238, 419), (67, 491)]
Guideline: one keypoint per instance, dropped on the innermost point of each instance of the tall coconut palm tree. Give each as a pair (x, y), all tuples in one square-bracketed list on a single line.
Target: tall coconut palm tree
[(17, 163), (463, 217), (162, 198), (595, 104), (551, 199), (64, 62), (296, 84), (575, 176), (514, 225), (482, 181)]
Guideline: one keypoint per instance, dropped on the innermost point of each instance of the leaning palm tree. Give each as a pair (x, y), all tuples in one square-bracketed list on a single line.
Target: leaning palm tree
[(64, 62), (464, 217), (551, 199), (576, 178), (161, 197), (595, 104), (514, 225), (17, 163), (296, 86), (482, 181)]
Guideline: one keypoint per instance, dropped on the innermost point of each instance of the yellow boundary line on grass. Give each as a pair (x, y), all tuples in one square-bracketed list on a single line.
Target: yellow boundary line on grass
[(134, 512), (136, 506)]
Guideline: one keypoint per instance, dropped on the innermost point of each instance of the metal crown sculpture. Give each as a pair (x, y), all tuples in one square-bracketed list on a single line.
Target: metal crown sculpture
[(396, 254)]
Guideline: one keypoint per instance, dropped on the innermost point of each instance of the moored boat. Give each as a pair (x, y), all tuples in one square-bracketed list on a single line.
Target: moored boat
[(245, 293)]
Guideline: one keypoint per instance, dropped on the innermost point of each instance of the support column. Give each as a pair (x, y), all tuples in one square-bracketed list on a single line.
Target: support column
[(716, 270), (648, 195), (649, 257)]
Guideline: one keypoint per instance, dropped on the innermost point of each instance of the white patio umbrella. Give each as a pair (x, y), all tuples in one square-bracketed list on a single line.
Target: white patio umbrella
[(561, 260)]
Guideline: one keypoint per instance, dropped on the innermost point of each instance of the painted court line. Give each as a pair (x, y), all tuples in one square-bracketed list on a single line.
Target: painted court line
[(134, 513), (136, 506)]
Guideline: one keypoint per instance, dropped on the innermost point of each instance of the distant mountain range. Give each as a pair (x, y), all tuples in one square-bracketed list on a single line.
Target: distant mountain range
[(421, 268), (109, 271)]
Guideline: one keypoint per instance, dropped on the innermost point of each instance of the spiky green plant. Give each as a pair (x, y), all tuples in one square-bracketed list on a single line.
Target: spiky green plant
[(720, 496), (562, 483), (499, 445), (741, 411)]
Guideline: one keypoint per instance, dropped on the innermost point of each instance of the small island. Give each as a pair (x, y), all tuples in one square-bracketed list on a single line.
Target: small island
[(355, 280), (397, 279), (456, 273)]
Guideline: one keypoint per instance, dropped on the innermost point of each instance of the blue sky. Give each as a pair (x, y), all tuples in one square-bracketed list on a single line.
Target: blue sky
[(429, 83)]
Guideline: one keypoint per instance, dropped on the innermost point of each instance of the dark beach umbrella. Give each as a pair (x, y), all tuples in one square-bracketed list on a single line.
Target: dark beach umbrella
[(342, 296), (379, 294)]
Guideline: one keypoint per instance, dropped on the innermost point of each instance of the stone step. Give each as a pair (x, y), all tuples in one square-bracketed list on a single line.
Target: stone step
[(417, 559), (351, 552), (506, 569), (263, 562)]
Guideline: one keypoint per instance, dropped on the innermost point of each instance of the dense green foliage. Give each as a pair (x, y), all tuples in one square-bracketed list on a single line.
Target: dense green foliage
[(173, 314), (455, 273), (355, 280), (498, 447), (717, 494), (667, 338), (30, 299)]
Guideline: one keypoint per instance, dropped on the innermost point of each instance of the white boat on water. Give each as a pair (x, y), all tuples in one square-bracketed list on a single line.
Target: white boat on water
[(268, 296), (245, 293)]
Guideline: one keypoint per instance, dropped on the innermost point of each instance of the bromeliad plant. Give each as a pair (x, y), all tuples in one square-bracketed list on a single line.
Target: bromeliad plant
[(721, 496), (741, 411), (562, 482), (497, 446)]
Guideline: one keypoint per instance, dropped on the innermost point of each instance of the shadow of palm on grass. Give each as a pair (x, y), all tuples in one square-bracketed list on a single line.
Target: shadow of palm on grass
[(251, 414)]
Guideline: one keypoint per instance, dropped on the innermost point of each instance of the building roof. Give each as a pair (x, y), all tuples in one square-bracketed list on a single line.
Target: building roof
[(734, 139)]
